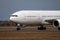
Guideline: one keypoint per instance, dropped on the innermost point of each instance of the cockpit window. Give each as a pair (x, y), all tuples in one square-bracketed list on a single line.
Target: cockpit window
[(14, 15)]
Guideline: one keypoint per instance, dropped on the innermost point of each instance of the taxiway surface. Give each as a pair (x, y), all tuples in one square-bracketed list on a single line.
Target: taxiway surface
[(28, 33)]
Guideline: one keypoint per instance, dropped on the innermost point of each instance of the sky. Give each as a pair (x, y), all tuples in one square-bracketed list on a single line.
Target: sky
[(7, 7)]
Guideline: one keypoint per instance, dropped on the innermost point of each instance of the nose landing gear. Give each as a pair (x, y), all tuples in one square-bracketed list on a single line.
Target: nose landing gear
[(19, 26)]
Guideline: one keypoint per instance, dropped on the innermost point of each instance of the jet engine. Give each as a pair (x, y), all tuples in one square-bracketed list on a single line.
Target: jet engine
[(56, 23)]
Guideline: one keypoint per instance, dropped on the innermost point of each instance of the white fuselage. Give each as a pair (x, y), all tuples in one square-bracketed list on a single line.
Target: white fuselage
[(34, 16)]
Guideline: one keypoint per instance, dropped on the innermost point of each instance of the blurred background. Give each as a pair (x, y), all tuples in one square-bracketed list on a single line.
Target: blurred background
[(7, 7)]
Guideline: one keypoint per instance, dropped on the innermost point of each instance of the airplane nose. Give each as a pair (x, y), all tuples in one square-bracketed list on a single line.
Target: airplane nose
[(10, 18)]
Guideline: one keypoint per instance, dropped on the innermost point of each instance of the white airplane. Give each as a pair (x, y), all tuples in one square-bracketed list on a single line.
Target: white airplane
[(37, 17)]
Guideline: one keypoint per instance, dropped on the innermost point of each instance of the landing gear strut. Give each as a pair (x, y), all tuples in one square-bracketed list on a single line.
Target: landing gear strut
[(19, 26), (42, 28)]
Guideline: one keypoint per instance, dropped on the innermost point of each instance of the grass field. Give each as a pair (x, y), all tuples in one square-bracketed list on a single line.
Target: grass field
[(29, 35)]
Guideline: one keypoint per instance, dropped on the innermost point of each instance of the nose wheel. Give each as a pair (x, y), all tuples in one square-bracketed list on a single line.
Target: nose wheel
[(18, 28)]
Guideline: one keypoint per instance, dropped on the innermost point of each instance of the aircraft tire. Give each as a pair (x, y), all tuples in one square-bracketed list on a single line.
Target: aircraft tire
[(58, 28), (18, 28), (41, 28)]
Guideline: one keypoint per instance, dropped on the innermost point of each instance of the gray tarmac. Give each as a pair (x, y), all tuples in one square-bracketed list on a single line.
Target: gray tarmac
[(28, 33), (30, 29)]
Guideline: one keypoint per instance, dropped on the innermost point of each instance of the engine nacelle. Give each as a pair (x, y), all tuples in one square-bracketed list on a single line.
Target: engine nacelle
[(56, 23)]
